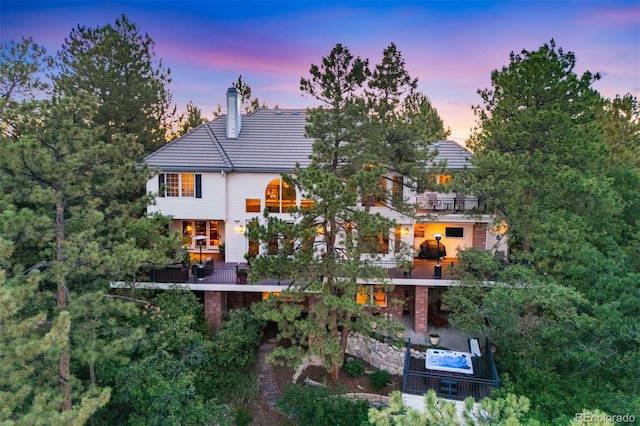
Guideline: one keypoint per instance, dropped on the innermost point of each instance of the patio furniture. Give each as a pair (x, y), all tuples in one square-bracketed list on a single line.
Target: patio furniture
[(435, 319)]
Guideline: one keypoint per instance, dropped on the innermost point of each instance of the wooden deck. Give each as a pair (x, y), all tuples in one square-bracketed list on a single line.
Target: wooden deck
[(226, 273), (457, 386)]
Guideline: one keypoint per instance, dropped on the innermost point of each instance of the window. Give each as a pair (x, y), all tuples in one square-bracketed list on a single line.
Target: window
[(186, 185), (252, 205), (372, 295), (214, 233), (376, 243), (379, 199), (397, 240), (254, 241), (201, 228), (172, 185), (306, 204), (279, 196), (443, 179), (454, 232), (397, 190)]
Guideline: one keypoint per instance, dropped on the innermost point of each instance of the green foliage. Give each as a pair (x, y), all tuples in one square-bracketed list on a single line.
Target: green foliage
[(166, 381), (439, 412), (379, 379), (565, 316), (188, 122), (316, 406), (117, 62), (30, 345), (354, 368), (233, 353), (243, 417), (372, 125), (476, 263)]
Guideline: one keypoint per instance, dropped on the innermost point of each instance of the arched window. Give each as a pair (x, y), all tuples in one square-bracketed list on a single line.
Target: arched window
[(279, 196)]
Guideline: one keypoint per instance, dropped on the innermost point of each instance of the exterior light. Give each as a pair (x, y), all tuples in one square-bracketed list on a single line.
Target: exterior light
[(241, 229), (437, 270), (405, 231)]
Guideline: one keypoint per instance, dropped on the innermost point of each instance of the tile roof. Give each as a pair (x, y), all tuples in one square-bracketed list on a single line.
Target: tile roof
[(271, 140), (457, 156)]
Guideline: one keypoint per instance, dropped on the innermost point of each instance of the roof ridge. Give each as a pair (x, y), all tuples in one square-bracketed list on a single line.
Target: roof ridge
[(220, 149)]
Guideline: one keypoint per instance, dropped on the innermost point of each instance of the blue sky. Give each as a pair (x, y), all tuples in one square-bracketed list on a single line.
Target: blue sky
[(452, 47)]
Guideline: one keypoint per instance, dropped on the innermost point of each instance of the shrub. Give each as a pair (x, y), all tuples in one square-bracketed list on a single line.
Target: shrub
[(243, 417), (379, 379), (354, 368), (316, 406)]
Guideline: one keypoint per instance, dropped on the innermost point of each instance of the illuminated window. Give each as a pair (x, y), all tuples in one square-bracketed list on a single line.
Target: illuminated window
[(397, 240), (372, 295), (375, 243), (379, 199), (202, 228), (188, 186), (214, 233), (306, 204), (252, 205), (254, 241), (279, 196), (443, 179), (397, 190)]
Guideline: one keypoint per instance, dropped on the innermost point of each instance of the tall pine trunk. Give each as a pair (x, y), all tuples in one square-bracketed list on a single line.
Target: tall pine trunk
[(61, 298)]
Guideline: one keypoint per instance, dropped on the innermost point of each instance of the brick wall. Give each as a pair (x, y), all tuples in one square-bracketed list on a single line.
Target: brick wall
[(421, 307), (480, 235), (214, 308)]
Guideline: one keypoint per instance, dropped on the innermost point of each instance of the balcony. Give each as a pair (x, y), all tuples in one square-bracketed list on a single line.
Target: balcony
[(227, 273), (432, 202)]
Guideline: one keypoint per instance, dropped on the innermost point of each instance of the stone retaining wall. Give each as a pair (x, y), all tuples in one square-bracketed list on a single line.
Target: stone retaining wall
[(380, 355)]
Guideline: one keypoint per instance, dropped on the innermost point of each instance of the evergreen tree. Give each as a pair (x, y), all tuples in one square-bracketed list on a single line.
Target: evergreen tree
[(244, 90), (559, 162), (189, 120), (538, 152), (330, 251), (116, 63), (35, 386)]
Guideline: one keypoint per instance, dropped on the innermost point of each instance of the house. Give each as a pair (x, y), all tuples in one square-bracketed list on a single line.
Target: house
[(215, 180)]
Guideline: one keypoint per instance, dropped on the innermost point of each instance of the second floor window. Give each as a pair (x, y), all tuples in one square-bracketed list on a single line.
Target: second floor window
[(187, 185)]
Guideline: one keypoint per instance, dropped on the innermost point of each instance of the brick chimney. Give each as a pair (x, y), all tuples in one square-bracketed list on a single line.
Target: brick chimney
[(234, 118)]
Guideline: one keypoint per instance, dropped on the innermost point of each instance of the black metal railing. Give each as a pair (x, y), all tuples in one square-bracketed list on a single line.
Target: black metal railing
[(435, 202), (234, 273), (417, 379)]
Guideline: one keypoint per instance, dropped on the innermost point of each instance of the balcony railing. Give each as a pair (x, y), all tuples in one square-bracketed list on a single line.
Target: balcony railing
[(417, 379), (228, 273), (450, 203)]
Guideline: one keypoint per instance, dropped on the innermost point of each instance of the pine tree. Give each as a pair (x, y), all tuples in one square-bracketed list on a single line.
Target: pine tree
[(331, 249)]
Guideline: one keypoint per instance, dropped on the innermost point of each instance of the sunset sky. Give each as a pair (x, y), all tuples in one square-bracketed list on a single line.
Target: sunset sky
[(452, 47)]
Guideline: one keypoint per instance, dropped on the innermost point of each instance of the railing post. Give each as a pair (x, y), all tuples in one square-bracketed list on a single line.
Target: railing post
[(405, 373)]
